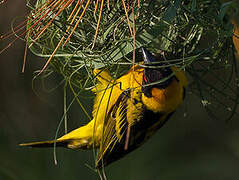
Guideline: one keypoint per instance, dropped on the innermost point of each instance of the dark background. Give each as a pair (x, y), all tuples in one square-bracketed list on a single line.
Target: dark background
[(187, 147)]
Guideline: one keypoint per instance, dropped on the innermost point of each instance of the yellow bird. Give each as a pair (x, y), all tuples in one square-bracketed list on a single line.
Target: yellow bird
[(127, 111)]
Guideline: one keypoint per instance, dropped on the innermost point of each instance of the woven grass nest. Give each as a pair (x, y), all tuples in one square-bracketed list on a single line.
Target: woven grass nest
[(76, 36)]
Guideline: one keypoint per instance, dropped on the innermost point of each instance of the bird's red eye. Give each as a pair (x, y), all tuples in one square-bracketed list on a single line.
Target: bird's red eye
[(145, 79)]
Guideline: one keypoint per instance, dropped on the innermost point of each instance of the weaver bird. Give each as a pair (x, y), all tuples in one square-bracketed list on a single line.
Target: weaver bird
[(127, 111)]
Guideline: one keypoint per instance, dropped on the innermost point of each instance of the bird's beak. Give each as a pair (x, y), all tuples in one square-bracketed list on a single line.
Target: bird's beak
[(147, 56)]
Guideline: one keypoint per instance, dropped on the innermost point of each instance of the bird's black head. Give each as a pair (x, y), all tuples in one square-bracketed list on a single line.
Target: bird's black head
[(155, 71)]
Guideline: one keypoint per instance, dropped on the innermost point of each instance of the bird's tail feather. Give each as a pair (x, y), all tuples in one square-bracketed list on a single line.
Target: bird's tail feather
[(43, 144)]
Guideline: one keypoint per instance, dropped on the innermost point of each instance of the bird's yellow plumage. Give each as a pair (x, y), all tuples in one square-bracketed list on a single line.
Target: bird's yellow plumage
[(127, 111)]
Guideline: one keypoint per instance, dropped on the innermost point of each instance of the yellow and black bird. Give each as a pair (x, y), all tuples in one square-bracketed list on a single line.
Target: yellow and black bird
[(127, 111)]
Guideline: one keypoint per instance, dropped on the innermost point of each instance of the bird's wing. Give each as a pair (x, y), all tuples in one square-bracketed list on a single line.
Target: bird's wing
[(115, 126), (116, 117), (122, 115)]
